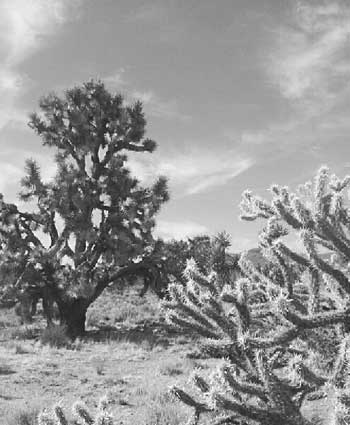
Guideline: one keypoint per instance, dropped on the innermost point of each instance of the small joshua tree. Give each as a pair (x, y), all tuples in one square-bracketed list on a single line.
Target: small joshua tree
[(264, 326)]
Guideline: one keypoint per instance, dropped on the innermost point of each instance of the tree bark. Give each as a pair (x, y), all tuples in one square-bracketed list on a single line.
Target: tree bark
[(73, 316)]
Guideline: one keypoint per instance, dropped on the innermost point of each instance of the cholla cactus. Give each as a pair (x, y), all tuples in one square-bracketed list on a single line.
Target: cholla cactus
[(266, 324), (81, 413)]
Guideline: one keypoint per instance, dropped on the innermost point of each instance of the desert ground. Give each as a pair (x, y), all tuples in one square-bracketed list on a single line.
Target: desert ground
[(127, 354)]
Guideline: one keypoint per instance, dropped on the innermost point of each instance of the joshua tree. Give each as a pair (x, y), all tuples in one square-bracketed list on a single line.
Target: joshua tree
[(283, 337), (92, 223)]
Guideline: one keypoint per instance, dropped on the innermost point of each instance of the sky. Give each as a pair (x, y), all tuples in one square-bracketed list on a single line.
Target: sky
[(237, 93)]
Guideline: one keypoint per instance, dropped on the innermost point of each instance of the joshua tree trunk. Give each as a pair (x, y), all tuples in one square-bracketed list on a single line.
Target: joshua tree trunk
[(73, 315)]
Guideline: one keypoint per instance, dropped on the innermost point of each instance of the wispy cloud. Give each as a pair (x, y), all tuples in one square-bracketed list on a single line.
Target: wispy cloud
[(154, 104), (117, 79), (157, 107), (179, 230), (310, 62), (194, 171), (25, 26)]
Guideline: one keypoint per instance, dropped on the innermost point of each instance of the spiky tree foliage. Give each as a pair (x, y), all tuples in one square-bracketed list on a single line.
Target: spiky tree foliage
[(271, 329), (208, 252), (92, 223)]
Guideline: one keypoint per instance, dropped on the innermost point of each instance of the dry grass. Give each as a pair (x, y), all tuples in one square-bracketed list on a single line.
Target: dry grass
[(55, 336), (127, 307), (133, 363)]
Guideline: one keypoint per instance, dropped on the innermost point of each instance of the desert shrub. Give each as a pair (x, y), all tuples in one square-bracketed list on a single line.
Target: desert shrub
[(171, 369), (164, 414), (273, 331), (24, 332), (18, 348), (8, 318), (99, 364), (23, 417), (55, 336)]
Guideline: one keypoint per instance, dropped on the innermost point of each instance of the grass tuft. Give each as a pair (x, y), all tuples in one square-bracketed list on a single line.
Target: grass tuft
[(55, 336), (23, 417)]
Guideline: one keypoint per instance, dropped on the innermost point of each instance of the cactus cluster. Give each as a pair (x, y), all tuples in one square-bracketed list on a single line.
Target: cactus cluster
[(264, 325), (56, 415)]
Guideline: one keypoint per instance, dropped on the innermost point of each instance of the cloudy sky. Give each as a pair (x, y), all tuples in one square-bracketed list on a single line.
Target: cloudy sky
[(238, 93)]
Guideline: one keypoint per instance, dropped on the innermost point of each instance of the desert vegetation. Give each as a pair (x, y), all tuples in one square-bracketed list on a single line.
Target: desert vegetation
[(127, 317)]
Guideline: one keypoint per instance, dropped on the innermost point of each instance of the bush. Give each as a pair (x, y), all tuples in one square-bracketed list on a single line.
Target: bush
[(25, 332), (55, 336), (165, 414), (24, 417)]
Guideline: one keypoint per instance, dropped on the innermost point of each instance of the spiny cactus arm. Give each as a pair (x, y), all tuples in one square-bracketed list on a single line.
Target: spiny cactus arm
[(311, 377), (214, 311), (341, 412), (229, 420), (60, 416), (181, 303), (242, 312), (225, 326), (283, 396), (221, 348), (254, 207), (45, 418), (281, 338), (321, 189), (237, 384), (312, 321), (302, 380), (189, 312), (303, 214), (324, 319), (245, 410), (192, 273), (341, 366), (320, 241), (329, 232), (174, 319), (251, 271), (339, 383), (81, 411), (297, 258), (337, 274), (103, 418), (56, 417), (286, 214), (263, 416), (315, 293), (190, 401), (200, 383)]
